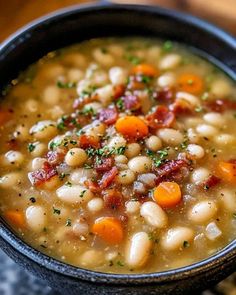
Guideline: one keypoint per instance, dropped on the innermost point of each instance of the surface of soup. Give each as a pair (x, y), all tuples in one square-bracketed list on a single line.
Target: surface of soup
[(119, 155)]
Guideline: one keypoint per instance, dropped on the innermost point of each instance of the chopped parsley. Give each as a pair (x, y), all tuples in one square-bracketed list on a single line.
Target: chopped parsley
[(32, 199), (31, 147), (82, 193), (56, 211), (146, 79), (120, 263), (234, 215), (66, 85), (120, 104), (135, 60), (153, 238), (198, 109), (159, 157), (167, 46), (186, 244), (120, 150), (68, 183), (68, 222)]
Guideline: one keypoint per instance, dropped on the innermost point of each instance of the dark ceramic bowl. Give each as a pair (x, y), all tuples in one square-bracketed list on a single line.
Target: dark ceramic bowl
[(79, 23)]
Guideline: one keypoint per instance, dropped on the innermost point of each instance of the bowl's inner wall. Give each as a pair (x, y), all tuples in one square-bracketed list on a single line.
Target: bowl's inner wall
[(72, 27)]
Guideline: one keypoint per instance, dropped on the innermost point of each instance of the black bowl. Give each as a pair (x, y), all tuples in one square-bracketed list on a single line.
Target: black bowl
[(78, 23)]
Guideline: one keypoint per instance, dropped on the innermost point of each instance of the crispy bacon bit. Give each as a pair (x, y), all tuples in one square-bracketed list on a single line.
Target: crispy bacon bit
[(92, 185), (165, 95), (88, 141), (170, 170), (181, 106), (142, 198), (135, 83), (232, 161), (124, 219), (108, 116), (55, 157), (221, 105), (211, 181), (42, 175), (131, 102), (108, 178), (103, 164), (113, 199), (119, 90), (161, 118)]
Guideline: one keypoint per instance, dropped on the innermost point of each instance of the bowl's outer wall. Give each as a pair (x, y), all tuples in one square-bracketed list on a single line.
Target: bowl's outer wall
[(84, 23), (69, 286)]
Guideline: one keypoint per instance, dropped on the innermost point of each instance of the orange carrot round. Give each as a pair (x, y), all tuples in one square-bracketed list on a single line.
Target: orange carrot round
[(144, 69), (15, 218), (167, 194), (132, 127), (109, 229), (227, 171), (190, 83)]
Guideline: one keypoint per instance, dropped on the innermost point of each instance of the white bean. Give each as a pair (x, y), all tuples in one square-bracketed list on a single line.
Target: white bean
[(193, 136), (95, 106), (170, 61), (95, 205), (199, 175), (166, 80), (228, 200), (176, 237), (221, 88), (154, 215), (202, 212), (103, 58), (10, 180), (140, 164), (31, 105), (80, 175), (153, 53), (36, 217), (125, 177), (215, 119), (224, 139), (74, 194), (192, 99), (121, 159), (138, 250), (153, 143), (116, 142), (105, 94), (21, 133), (206, 130), (44, 129), (14, 158), (39, 149), (117, 75), (196, 151), (80, 228), (75, 75), (149, 179), (132, 150), (132, 207), (37, 163), (92, 258), (51, 95), (76, 157), (171, 136)]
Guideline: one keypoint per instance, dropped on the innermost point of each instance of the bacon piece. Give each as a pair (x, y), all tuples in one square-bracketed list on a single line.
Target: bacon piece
[(113, 199), (170, 170), (232, 161), (131, 102), (108, 177), (221, 105), (82, 101), (88, 141), (211, 181), (119, 90), (108, 116), (93, 186), (181, 106), (165, 95), (103, 164), (42, 175), (161, 118), (55, 157), (135, 83), (124, 219)]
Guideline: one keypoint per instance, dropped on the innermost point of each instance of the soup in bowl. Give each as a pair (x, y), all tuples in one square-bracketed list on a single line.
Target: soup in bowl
[(118, 155)]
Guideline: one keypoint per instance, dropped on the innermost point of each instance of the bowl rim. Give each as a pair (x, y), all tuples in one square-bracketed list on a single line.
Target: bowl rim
[(8, 235)]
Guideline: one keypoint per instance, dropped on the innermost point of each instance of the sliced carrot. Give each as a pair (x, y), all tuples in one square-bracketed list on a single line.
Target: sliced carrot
[(144, 69), (227, 171), (167, 194), (190, 83), (132, 127), (15, 218), (109, 229)]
